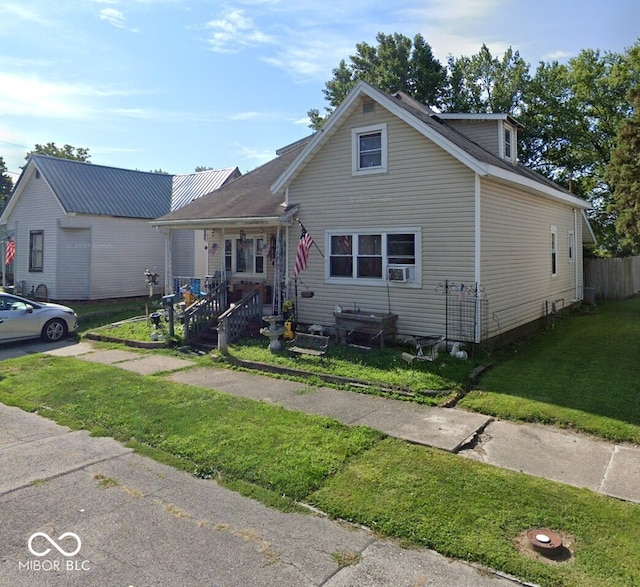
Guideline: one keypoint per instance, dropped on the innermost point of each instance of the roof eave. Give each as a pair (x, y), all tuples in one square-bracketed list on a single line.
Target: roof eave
[(540, 188), (222, 222)]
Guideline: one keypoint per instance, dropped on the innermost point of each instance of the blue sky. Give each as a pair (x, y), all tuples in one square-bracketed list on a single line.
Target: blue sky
[(173, 84)]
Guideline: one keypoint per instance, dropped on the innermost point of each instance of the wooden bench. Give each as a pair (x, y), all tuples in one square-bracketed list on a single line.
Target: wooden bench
[(309, 344)]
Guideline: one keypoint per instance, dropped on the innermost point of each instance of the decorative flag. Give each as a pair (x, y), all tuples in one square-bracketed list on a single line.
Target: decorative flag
[(304, 244), (10, 251)]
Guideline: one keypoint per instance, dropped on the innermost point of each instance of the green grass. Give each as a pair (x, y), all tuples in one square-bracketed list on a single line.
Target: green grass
[(283, 451), (139, 330), (99, 313), (583, 374), (423, 496), (467, 510), (385, 368)]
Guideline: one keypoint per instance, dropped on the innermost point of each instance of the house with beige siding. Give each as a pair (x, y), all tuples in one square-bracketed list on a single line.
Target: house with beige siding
[(82, 230), (424, 216)]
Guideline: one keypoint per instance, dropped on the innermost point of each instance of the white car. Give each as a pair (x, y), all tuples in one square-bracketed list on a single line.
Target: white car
[(21, 318)]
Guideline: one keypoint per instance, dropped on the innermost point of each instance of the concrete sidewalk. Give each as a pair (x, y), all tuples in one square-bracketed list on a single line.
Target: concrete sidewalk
[(542, 451), (78, 510)]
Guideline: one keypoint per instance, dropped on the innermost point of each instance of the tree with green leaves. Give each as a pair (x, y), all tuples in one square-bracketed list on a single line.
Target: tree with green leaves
[(397, 63), (483, 83), (571, 116), (623, 174), (6, 183), (65, 152)]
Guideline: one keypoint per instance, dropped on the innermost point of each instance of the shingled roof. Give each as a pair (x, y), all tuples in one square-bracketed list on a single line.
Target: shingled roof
[(247, 198)]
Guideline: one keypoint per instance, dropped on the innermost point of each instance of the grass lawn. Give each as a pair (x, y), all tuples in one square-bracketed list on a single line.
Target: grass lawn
[(426, 497), (98, 313), (383, 367), (584, 374)]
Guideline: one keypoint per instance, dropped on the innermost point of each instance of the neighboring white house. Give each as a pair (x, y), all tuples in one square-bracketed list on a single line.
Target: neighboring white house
[(427, 216), (83, 231)]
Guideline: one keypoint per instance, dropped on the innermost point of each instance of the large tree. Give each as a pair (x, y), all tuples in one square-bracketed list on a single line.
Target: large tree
[(623, 174), (397, 63), (571, 116), (65, 152), (6, 183), (483, 83)]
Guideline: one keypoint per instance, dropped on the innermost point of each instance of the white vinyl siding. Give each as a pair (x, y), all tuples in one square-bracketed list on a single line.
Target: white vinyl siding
[(74, 267), (122, 248), (424, 187), (515, 263), (37, 209), (484, 132)]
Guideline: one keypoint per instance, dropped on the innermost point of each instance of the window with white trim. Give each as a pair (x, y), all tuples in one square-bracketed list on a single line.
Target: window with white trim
[(245, 255), (369, 149), (571, 238), (507, 142), (36, 251), (374, 256), (554, 250)]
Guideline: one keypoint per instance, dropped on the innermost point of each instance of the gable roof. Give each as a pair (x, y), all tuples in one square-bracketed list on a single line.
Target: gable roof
[(187, 188), (244, 200), (86, 188), (429, 124)]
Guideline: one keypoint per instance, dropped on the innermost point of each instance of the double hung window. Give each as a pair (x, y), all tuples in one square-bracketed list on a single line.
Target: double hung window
[(369, 255), (36, 250), (369, 149)]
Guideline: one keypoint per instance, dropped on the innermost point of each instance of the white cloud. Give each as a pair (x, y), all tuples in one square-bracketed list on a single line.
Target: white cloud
[(115, 18), (10, 12), (34, 97), (258, 157), (558, 55), (233, 30)]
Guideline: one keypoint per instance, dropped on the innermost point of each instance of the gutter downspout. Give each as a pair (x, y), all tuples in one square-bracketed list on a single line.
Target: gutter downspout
[(477, 255), (578, 295)]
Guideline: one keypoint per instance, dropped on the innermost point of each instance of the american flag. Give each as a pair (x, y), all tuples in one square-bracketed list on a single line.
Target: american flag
[(304, 244), (10, 251)]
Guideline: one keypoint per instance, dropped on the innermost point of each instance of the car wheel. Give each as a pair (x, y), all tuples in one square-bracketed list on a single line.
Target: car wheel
[(54, 330)]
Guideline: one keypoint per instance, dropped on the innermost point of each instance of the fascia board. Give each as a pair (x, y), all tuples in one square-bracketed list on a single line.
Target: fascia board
[(214, 222), (586, 224), (542, 189), (26, 176), (320, 137)]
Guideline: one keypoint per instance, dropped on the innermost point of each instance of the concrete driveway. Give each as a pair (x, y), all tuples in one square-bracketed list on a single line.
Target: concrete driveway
[(13, 350)]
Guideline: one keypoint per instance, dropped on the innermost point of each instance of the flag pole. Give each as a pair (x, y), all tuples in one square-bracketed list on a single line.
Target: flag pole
[(314, 240)]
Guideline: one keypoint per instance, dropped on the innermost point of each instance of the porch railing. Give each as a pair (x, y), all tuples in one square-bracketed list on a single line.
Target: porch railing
[(203, 313), (245, 317)]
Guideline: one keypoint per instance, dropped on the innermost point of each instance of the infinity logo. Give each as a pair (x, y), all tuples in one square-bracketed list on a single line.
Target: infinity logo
[(56, 546)]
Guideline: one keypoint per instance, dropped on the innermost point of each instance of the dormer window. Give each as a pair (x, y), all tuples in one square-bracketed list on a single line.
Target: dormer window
[(369, 149), (507, 143)]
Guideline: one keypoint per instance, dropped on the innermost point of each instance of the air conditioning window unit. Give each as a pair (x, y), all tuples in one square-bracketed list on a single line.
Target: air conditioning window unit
[(398, 273)]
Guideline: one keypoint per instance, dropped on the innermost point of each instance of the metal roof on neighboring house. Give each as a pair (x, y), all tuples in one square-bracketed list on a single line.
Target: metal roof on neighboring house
[(187, 188), (86, 188)]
